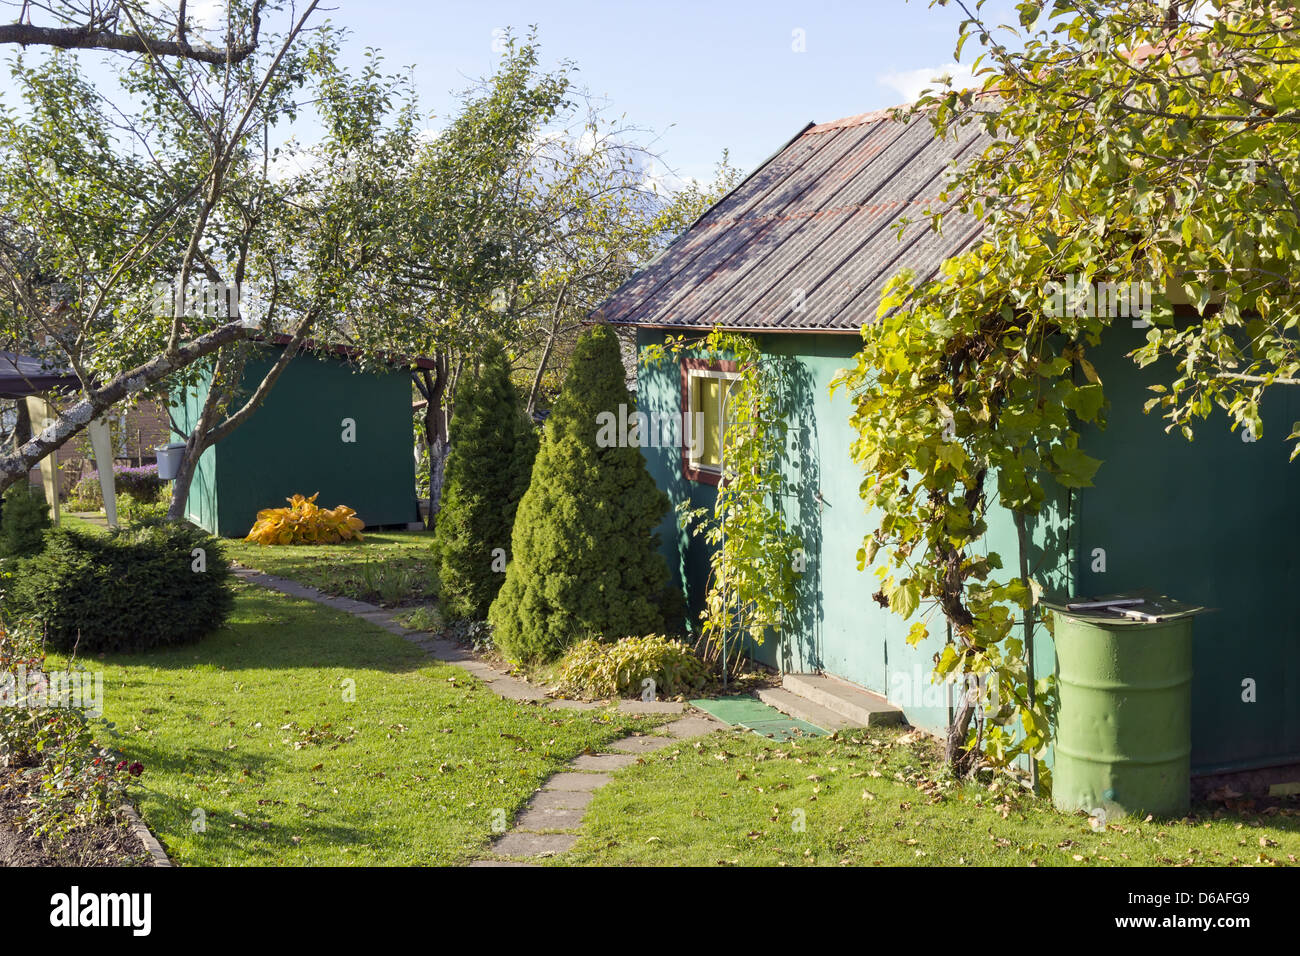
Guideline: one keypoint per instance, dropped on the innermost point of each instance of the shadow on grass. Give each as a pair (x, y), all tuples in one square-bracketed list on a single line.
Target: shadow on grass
[(272, 631)]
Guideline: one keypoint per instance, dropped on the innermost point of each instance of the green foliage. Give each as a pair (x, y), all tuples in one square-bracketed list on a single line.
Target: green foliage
[(584, 551), (132, 510), (24, 517), (423, 618), (486, 475), (47, 737), (1177, 167), (86, 495), (593, 668), (156, 584), (1171, 171), (752, 577)]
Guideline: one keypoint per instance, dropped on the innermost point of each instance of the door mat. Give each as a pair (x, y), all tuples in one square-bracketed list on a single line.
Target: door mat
[(756, 716)]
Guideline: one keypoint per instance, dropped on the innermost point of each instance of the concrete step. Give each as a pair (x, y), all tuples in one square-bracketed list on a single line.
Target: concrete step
[(861, 707), (801, 708)]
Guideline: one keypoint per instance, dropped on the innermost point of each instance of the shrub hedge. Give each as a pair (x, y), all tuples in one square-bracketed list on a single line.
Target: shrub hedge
[(24, 518), (129, 590)]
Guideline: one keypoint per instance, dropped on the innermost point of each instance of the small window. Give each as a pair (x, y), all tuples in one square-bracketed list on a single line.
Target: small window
[(706, 386)]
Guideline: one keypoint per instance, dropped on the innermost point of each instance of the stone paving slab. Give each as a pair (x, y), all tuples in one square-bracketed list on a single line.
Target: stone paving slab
[(694, 726), (501, 863), (537, 818), (642, 745), (515, 689), (564, 780), (651, 706), (444, 650), (484, 672), (787, 729), (522, 843), (359, 608), (560, 799), (603, 761)]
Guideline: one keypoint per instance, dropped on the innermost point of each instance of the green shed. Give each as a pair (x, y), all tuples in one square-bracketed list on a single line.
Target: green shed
[(326, 427), (797, 255)]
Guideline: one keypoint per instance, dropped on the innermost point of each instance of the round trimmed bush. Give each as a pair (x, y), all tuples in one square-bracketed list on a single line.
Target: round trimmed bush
[(152, 585)]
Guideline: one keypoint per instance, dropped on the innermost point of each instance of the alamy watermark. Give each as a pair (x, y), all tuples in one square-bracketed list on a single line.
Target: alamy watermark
[(37, 690), (201, 298), (1079, 296), (637, 429)]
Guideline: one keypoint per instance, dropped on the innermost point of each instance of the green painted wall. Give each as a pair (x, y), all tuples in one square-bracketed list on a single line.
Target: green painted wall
[(1212, 522), (841, 629), (294, 444), (201, 505)]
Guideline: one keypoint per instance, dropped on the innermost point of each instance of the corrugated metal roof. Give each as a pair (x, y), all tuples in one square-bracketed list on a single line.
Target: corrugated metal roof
[(808, 241)]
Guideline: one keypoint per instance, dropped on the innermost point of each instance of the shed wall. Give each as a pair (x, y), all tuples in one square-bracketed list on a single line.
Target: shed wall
[(294, 444)]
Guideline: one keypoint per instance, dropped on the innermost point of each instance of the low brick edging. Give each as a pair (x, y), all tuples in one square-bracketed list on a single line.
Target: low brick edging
[(157, 855)]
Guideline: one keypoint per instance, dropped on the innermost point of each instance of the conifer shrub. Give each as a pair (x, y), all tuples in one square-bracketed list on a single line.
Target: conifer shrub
[(585, 555), (24, 518), (487, 473), (155, 584)]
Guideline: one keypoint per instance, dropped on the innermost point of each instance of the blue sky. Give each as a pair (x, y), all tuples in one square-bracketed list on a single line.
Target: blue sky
[(703, 75)]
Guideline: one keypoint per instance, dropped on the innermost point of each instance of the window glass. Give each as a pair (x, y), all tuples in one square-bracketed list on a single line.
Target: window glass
[(708, 393)]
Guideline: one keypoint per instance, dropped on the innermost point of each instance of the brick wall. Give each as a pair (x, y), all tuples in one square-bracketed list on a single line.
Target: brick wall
[(136, 432)]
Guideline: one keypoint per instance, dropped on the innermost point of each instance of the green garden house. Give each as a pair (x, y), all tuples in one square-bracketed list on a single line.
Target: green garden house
[(325, 427), (797, 255)]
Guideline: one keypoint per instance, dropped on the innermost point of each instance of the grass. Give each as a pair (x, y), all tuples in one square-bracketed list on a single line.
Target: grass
[(250, 733), (878, 798), (392, 568)]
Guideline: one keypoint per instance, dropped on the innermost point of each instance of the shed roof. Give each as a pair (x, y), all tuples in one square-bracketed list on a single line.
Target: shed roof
[(23, 375), (808, 241)]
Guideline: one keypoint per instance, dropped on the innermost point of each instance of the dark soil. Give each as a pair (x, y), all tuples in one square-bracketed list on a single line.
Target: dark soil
[(107, 844)]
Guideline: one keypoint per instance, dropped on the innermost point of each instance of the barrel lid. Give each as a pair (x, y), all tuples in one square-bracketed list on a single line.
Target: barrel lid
[(1138, 607)]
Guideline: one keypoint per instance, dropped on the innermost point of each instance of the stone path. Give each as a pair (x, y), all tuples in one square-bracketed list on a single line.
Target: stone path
[(550, 821)]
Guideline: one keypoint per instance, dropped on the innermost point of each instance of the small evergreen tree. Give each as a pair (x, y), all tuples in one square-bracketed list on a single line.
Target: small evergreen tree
[(585, 557), (486, 476)]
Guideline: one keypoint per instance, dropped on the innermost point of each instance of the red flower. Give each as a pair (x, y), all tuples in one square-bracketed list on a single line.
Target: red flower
[(121, 766), (136, 769)]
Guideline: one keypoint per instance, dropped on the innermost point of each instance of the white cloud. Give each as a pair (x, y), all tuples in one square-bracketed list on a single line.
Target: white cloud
[(909, 83)]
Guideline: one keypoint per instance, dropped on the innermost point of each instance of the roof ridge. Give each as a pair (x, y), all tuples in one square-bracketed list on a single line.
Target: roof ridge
[(859, 119)]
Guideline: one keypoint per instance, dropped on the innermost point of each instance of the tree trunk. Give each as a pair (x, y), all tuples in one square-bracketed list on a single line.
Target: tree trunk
[(956, 754), (1022, 540), (435, 430), (23, 426), (184, 478), (546, 351)]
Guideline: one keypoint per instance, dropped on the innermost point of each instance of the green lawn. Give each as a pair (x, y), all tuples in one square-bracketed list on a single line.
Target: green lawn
[(734, 798), (391, 568), (250, 727)]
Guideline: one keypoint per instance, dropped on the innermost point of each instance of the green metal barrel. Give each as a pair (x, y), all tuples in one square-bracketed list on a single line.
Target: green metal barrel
[(1123, 740)]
